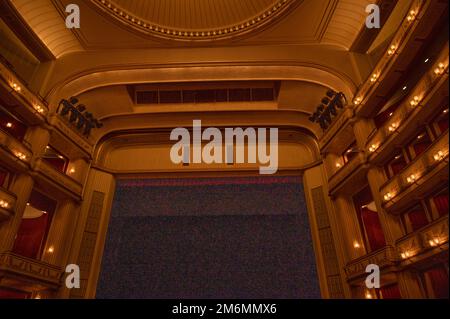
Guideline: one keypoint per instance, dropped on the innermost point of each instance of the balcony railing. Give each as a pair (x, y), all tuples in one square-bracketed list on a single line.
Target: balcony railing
[(428, 238), (417, 107), (15, 147), (56, 178), (349, 174), (34, 275), (385, 258), (7, 203), (430, 166), (332, 134)]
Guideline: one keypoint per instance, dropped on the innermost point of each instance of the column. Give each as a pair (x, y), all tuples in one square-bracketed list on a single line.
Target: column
[(22, 187)]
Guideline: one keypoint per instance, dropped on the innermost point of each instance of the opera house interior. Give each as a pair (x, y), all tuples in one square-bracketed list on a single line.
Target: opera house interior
[(92, 204)]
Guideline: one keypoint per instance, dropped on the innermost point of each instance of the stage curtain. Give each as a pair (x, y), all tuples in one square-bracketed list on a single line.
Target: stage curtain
[(30, 235), (12, 294), (391, 292), (439, 282), (373, 228), (441, 202), (417, 218)]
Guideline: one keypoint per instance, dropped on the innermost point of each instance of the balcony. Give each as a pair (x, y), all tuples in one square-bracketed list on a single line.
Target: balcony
[(339, 134), (56, 181), (352, 173), (425, 173), (14, 152), (27, 274), (419, 107), (13, 92), (398, 58), (7, 204), (425, 242), (386, 258)]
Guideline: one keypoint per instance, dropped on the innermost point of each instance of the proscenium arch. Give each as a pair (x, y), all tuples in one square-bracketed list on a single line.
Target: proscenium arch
[(96, 78)]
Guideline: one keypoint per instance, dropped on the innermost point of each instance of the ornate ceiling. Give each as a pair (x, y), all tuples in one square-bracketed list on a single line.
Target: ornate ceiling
[(196, 20)]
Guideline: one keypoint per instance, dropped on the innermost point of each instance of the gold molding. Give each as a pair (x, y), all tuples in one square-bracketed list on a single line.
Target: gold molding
[(169, 33)]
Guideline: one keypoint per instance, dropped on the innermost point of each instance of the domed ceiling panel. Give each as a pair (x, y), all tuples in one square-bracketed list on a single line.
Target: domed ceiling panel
[(196, 20)]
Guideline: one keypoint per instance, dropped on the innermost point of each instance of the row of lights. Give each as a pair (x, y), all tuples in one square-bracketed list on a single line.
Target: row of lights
[(39, 108), (4, 203), (439, 156), (433, 242), (197, 33), (390, 52)]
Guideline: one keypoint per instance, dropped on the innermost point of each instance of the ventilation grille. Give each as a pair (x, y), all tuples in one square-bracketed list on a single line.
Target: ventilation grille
[(164, 96)]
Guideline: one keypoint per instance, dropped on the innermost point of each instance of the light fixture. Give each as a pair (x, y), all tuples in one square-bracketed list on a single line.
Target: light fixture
[(415, 101), (20, 155), (356, 245), (38, 108), (411, 179), (392, 49), (368, 295), (4, 204), (51, 249), (404, 88), (434, 242), (357, 101), (393, 127), (60, 157), (16, 87), (338, 165), (439, 156), (411, 15), (440, 69), (390, 114), (388, 196), (9, 124), (72, 170), (397, 157), (445, 111), (426, 60), (405, 254), (373, 148), (374, 77)]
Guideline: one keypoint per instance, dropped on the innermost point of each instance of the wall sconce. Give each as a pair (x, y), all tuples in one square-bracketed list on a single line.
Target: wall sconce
[(411, 179), (434, 242), (439, 156), (388, 196), (368, 295), (415, 101), (440, 69), (20, 155), (411, 15), (50, 250), (16, 87), (38, 108), (393, 127), (4, 204), (357, 101), (405, 255), (72, 170), (374, 77), (356, 245), (392, 50), (338, 165), (373, 148)]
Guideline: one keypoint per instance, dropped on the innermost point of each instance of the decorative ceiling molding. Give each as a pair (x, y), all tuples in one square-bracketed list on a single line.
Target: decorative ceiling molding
[(231, 26), (346, 22), (49, 26)]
